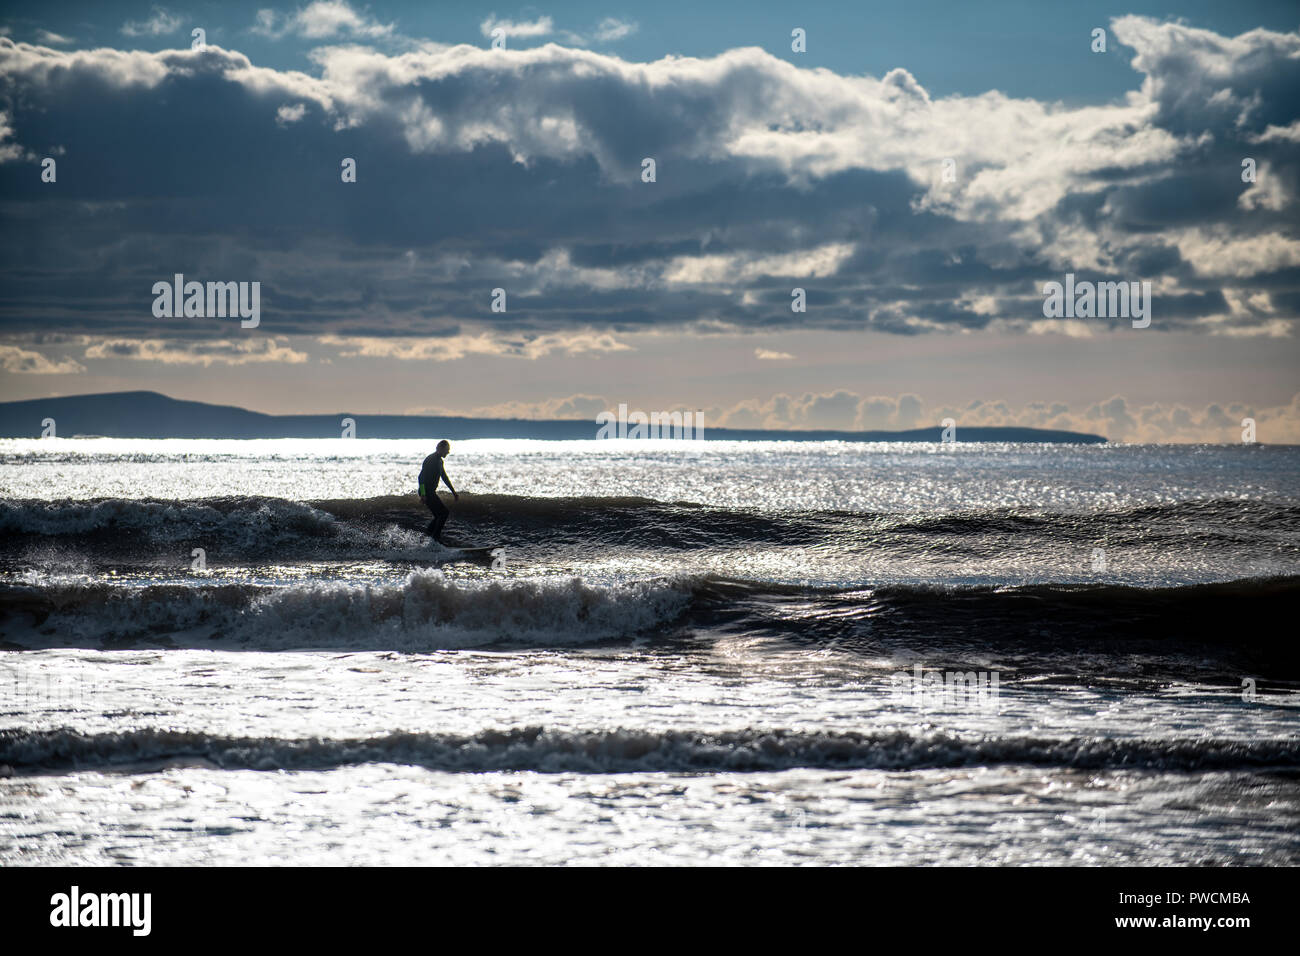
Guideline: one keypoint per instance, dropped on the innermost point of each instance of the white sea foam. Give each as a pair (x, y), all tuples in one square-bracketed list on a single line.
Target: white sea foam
[(624, 751), (426, 611)]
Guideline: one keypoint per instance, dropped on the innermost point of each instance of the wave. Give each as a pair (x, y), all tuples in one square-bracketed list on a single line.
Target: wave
[(631, 751), (1211, 631), (1235, 627), (249, 528), (646, 523), (424, 612), (248, 523)]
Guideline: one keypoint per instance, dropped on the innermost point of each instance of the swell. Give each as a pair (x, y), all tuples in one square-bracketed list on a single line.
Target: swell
[(1215, 632), (1233, 627), (629, 751), (391, 526)]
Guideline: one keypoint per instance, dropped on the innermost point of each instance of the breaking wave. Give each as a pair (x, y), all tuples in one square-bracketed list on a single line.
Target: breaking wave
[(425, 612), (628, 751), (1204, 624)]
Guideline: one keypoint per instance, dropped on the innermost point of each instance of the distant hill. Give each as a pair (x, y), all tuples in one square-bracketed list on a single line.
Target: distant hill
[(151, 415)]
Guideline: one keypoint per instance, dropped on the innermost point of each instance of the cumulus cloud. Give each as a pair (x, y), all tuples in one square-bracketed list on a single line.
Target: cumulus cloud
[(27, 362), (523, 170), (450, 348), (1219, 254), (204, 352), (1120, 420), (49, 38), (1115, 418), (579, 407), (842, 410)]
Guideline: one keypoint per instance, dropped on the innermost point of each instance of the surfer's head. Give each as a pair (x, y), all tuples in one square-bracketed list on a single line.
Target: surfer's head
[(444, 446)]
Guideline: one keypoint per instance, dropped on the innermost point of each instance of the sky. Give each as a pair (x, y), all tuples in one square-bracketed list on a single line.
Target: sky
[(914, 176)]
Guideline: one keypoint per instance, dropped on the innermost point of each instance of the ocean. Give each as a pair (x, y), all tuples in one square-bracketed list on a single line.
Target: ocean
[(683, 653)]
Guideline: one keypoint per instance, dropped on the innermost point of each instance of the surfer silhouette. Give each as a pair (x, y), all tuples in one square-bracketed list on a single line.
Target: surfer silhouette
[(431, 474)]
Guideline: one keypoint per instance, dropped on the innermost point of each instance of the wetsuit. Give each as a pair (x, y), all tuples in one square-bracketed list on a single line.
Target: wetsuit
[(430, 475)]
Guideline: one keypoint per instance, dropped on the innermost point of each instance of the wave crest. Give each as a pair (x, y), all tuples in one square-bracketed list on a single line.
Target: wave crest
[(425, 612), (628, 751)]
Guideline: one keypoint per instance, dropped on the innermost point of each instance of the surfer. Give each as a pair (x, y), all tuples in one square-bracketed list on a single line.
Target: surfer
[(430, 475)]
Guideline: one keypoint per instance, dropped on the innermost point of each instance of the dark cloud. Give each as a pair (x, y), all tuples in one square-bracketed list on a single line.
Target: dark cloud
[(522, 170)]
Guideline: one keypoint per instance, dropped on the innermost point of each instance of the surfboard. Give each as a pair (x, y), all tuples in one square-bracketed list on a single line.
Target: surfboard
[(475, 552)]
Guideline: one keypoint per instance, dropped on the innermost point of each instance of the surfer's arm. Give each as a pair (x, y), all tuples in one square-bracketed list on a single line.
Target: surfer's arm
[(454, 493)]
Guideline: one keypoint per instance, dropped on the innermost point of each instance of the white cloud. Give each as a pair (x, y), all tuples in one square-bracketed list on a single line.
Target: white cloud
[(1222, 254), (288, 114), (50, 38), (842, 410), (450, 348), (611, 29), (264, 22), (542, 26), (160, 23), (1267, 192), (205, 352), (10, 151), (1114, 418), (1071, 328), (572, 408), (815, 263), (1272, 329), (769, 355), (1050, 186), (1279, 134), (320, 20), (26, 362)]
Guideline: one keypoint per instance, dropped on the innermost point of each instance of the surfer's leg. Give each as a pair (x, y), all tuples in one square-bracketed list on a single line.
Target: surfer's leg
[(440, 514)]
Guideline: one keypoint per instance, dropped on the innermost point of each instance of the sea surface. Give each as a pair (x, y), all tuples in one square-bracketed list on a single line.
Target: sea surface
[(735, 653)]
